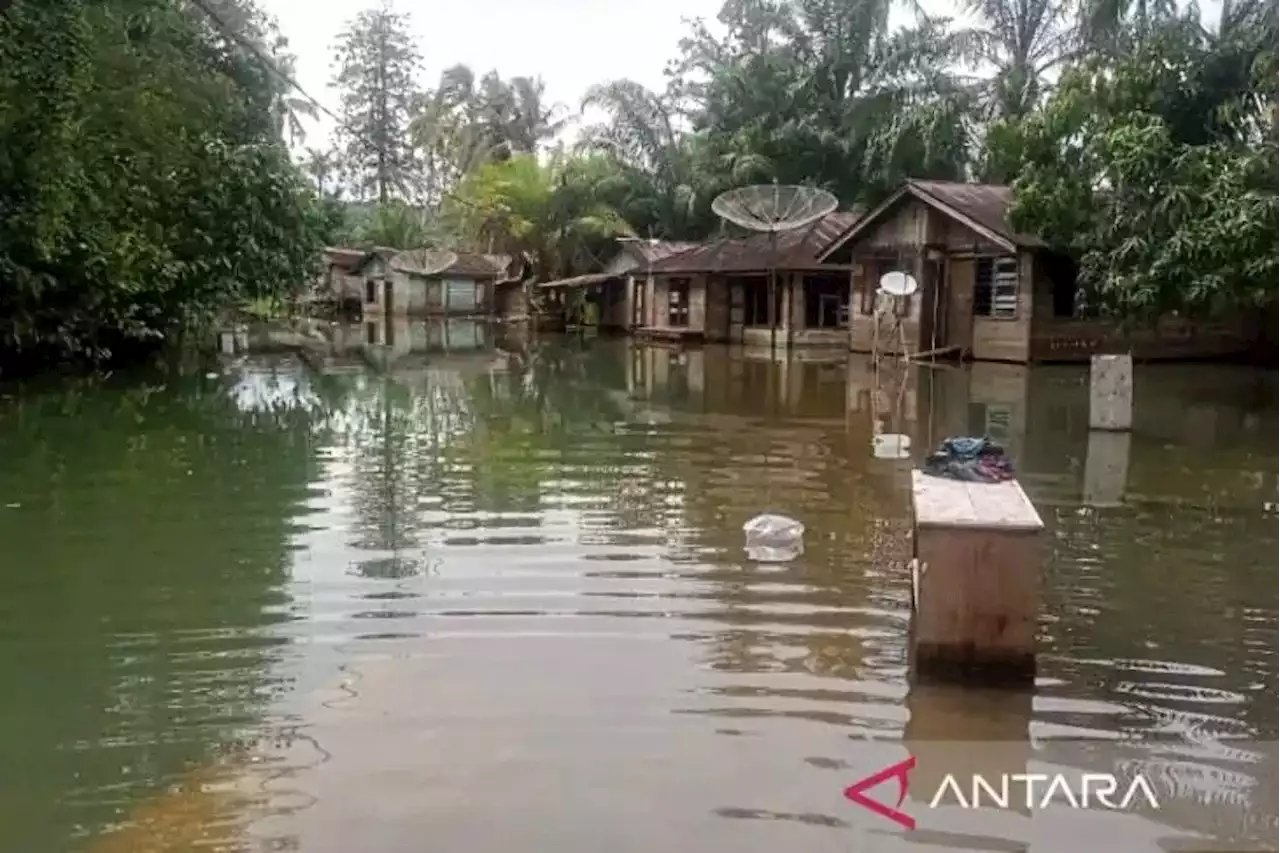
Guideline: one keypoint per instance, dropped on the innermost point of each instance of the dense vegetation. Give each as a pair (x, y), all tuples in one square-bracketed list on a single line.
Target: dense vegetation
[(146, 184), (1141, 138)]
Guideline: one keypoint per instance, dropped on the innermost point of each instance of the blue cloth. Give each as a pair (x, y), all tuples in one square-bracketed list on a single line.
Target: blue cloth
[(973, 460)]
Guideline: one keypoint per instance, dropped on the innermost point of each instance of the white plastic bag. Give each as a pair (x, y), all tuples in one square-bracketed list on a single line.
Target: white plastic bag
[(773, 538)]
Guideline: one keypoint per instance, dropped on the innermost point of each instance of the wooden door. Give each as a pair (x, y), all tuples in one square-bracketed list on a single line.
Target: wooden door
[(958, 292)]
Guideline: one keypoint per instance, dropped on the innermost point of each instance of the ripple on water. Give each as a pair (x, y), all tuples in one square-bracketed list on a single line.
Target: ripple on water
[(566, 597)]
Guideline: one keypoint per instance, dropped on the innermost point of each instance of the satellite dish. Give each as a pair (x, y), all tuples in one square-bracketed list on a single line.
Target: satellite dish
[(891, 446), (426, 261), (897, 284), (773, 208), (437, 260)]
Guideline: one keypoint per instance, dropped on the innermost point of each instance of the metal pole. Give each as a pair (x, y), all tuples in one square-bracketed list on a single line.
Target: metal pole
[(773, 293)]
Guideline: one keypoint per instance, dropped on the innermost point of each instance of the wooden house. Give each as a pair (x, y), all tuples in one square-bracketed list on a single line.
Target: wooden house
[(761, 290), (987, 292), (617, 295), (407, 283), (343, 275)]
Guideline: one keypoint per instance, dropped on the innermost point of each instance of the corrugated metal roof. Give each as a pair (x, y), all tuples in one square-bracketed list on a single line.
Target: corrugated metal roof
[(986, 204), (795, 249), (471, 265), (352, 260), (579, 280), (653, 252), (467, 264)]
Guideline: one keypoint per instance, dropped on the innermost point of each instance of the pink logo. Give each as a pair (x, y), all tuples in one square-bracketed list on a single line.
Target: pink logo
[(897, 771)]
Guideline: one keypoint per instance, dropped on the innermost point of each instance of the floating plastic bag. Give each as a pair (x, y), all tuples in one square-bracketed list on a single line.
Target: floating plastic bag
[(773, 538)]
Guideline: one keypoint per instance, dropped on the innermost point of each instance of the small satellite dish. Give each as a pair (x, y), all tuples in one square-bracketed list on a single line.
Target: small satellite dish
[(891, 446), (897, 284)]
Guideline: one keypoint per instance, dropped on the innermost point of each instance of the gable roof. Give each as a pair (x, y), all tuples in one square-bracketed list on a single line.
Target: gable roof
[(354, 260), (983, 208), (467, 265), (798, 249)]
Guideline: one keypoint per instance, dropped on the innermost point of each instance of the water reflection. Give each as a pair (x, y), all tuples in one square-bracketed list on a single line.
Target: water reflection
[(485, 568)]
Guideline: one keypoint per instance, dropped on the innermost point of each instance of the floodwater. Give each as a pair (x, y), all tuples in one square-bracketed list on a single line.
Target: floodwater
[(496, 600)]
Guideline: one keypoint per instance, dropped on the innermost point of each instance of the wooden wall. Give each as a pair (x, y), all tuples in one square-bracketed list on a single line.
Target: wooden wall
[(999, 339), (1064, 339), (657, 307), (901, 241)]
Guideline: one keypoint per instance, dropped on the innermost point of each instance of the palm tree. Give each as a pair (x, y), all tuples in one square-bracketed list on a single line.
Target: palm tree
[(551, 213), (1024, 41), (321, 166)]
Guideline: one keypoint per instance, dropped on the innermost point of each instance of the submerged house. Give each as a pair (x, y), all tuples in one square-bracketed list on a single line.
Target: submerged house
[(987, 292), (342, 277), (616, 296), (721, 290), (411, 283)]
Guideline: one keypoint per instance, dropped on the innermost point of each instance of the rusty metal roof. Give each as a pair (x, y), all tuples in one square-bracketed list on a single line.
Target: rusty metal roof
[(353, 260), (652, 252), (473, 265), (797, 249), (467, 265), (986, 204), (580, 280)]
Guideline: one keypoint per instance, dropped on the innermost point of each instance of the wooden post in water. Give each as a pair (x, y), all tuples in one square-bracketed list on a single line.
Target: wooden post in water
[(975, 581), (1111, 392), (967, 734)]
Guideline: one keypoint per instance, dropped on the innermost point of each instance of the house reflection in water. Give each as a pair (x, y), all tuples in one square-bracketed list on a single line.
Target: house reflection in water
[(750, 382), (402, 335)]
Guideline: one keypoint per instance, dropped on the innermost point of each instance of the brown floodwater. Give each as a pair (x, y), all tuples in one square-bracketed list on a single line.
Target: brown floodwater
[(496, 599)]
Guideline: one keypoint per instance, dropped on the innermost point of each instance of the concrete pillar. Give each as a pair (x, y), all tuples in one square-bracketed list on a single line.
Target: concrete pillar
[(1106, 467), (976, 582), (1111, 392)]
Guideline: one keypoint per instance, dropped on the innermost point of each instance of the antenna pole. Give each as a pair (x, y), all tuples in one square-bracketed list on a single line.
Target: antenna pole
[(773, 293)]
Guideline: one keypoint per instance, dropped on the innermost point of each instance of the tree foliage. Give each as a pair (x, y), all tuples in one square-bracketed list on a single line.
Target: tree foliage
[(144, 185), (555, 212), (377, 63), (1158, 169)]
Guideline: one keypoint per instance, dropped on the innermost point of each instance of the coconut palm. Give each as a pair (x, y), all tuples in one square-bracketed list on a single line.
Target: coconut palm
[(550, 213)]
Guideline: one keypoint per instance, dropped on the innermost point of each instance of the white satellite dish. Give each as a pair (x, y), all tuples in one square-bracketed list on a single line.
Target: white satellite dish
[(891, 446), (897, 284)]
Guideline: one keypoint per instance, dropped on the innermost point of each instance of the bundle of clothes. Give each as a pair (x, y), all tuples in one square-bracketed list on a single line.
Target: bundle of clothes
[(974, 460)]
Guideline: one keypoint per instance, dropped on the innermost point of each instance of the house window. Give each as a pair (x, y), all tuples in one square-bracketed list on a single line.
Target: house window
[(826, 302), (371, 333), (678, 302), (370, 291), (995, 288)]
